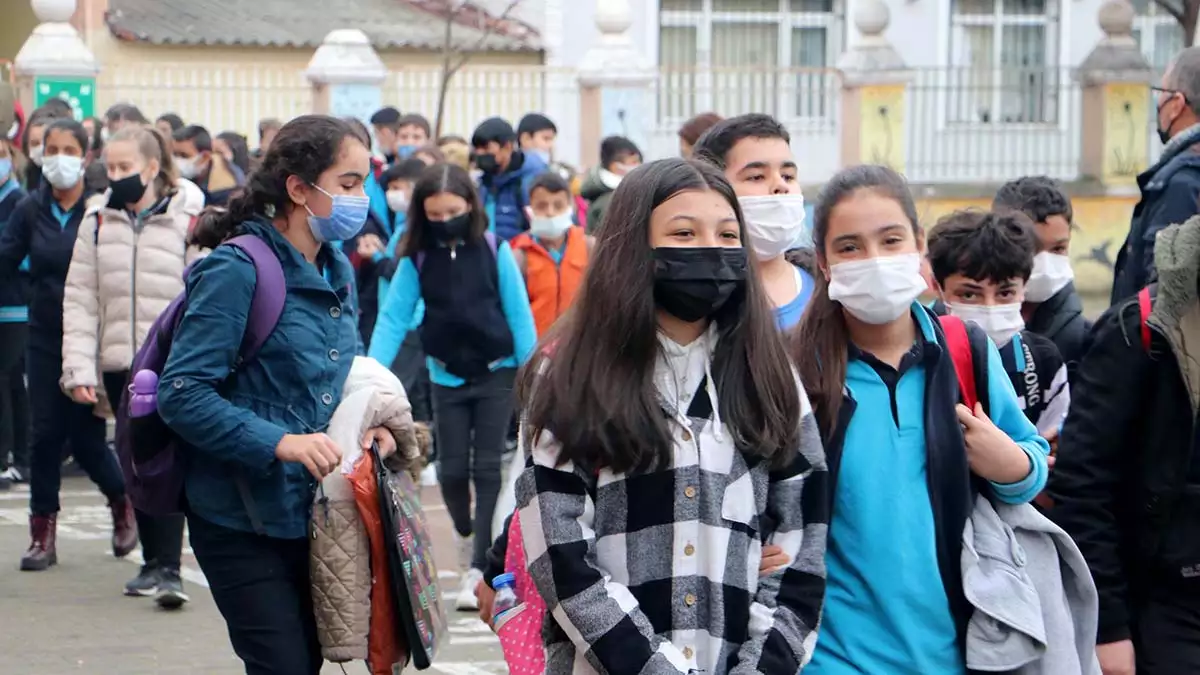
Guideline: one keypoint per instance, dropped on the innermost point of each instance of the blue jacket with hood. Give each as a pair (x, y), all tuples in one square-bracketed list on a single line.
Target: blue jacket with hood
[(505, 195)]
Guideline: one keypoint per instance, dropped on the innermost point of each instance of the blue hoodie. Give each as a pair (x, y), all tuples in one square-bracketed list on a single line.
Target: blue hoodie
[(505, 195), (14, 292), (900, 498)]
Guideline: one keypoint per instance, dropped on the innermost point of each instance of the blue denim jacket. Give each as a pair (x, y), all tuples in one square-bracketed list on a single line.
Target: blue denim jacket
[(233, 423)]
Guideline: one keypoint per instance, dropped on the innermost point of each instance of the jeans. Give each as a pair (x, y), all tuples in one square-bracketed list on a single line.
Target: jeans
[(56, 419), (161, 536), (413, 372), (14, 399), (475, 415), (261, 587)]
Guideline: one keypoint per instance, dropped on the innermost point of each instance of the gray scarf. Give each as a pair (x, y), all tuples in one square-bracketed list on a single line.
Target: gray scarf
[(1180, 142)]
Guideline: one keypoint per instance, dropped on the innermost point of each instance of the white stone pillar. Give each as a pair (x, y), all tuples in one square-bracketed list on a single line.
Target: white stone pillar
[(54, 62), (614, 84), (346, 75)]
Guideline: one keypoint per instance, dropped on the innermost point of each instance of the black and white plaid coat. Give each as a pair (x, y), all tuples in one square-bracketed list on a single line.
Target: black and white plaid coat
[(658, 573)]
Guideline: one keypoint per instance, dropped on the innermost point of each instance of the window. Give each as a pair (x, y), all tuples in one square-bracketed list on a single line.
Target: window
[(1003, 62), (739, 56), (1158, 33)]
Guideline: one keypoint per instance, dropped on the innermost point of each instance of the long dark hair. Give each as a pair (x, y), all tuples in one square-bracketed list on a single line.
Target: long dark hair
[(306, 147), (434, 180), (591, 383), (820, 343), (238, 146)]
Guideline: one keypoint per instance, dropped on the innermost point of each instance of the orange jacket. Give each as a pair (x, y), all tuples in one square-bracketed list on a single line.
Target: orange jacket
[(552, 287)]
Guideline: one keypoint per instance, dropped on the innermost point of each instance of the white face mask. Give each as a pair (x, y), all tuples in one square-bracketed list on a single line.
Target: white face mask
[(397, 201), (36, 155), (1051, 273), (63, 171), (551, 228), (877, 290), (187, 167), (609, 179), (1000, 322), (775, 223)]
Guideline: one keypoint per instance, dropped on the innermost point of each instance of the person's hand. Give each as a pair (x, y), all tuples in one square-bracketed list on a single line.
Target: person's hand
[(773, 558), (990, 452), (486, 597), (84, 395), (383, 436), (369, 245), (317, 452), (1117, 658), (1052, 439)]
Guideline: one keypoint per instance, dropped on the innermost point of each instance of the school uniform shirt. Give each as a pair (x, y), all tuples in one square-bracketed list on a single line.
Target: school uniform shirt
[(398, 314), (901, 496), (14, 288), (1039, 377), (788, 315), (658, 572)]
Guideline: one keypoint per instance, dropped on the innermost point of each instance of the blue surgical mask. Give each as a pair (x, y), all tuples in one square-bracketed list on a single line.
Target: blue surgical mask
[(405, 151), (544, 154), (345, 219), (5, 169)]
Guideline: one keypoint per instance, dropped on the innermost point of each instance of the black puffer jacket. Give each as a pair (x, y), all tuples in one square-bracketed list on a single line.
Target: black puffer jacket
[(1061, 320)]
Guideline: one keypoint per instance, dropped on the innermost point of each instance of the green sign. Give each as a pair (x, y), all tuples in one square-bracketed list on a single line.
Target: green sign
[(80, 92)]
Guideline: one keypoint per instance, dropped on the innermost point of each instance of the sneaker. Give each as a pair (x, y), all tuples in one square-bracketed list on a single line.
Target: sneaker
[(466, 600), (14, 475), (145, 584), (429, 476), (170, 590), (466, 550)]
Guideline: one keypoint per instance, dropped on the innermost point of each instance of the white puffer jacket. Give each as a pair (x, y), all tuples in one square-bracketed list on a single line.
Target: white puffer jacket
[(121, 278)]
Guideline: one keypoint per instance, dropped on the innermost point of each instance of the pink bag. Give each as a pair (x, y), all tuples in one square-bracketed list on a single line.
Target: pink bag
[(520, 630)]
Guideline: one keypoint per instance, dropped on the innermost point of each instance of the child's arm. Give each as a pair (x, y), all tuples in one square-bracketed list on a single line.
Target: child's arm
[(1006, 414), (395, 316), (514, 300)]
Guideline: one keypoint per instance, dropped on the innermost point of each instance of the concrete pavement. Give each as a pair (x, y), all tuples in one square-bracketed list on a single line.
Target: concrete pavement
[(73, 618)]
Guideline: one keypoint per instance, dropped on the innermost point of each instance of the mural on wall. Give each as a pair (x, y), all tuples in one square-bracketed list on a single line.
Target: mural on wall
[(1126, 119), (881, 131)]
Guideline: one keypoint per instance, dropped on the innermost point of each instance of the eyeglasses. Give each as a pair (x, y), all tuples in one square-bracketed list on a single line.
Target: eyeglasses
[(1170, 92)]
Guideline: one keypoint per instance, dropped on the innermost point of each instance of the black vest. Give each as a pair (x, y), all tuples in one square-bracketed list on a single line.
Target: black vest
[(464, 327)]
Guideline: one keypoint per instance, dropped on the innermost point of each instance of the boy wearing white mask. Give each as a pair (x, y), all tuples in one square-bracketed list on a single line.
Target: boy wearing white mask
[(1052, 305), (755, 153), (982, 262)]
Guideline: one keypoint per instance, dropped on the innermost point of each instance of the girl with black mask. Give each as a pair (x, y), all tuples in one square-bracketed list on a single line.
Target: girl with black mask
[(477, 329), (670, 438)]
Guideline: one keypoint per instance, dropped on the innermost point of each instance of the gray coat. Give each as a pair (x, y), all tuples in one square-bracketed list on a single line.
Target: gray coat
[(1035, 603)]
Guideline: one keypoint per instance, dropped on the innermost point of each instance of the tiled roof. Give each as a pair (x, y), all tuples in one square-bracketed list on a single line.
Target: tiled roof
[(297, 23)]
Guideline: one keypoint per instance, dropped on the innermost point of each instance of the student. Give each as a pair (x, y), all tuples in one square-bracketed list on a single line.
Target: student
[(693, 129), (507, 176), (883, 388), (14, 337), (981, 262), (412, 133), (268, 128), (261, 429), (127, 266), (1126, 486), (456, 150), (33, 149), (43, 229), (669, 438), (168, 123), (553, 254), (216, 176), (755, 153), (476, 331), (233, 147), (1052, 305), (618, 156), (536, 134), (386, 125)]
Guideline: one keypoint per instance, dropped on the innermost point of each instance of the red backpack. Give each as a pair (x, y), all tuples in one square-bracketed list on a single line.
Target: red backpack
[(1145, 306), (970, 356)]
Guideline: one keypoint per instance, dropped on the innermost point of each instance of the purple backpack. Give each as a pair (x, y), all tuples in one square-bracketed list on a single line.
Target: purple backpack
[(150, 453)]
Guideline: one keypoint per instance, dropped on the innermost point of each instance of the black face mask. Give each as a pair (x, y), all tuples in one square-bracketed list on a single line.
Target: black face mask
[(487, 163), (126, 191), (447, 231), (694, 283), (1164, 135)]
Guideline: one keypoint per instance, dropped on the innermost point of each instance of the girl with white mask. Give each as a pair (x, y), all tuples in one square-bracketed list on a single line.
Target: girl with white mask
[(755, 153), (903, 453)]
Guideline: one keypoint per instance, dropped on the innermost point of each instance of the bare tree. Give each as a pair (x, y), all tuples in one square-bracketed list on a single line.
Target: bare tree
[(454, 57), (1186, 13)]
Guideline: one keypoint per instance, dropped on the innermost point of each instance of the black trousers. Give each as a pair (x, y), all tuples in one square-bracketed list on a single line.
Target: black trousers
[(14, 399), (475, 417), (1167, 634), (161, 536), (262, 589), (56, 419)]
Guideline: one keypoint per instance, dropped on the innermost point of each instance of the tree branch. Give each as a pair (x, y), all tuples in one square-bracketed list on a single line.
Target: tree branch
[(1169, 7), (489, 29)]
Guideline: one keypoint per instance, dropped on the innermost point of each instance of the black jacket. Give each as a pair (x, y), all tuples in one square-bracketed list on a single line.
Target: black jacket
[(14, 284), (1123, 461), (1170, 190), (1061, 320), (36, 232)]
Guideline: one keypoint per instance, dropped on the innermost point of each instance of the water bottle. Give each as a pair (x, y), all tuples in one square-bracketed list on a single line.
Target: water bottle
[(506, 595), (143, 395)]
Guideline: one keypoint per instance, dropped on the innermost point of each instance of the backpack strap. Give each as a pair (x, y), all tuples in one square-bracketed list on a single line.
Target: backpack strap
[(968, 351), (1145, 306), (270, 292)]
